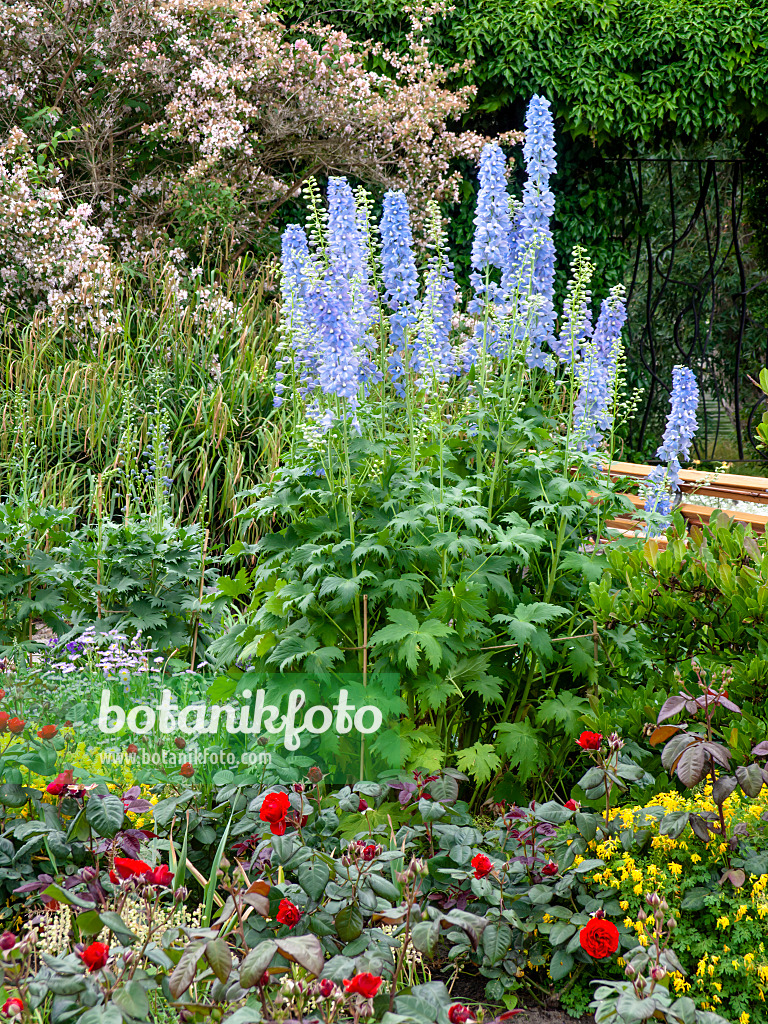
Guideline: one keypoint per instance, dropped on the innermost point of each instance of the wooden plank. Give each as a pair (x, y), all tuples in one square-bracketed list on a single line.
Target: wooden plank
[(702, 513), (732, 486)]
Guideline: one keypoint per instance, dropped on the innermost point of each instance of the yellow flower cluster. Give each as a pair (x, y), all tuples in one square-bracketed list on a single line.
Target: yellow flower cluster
[(665, 866)]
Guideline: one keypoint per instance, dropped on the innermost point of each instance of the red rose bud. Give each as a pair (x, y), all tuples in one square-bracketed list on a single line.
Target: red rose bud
[(288, 913), (572, 805), (315, 775), (599, 938), (180, 742), (4, 720), (187, 770), (160, 876), (370, 851), (47, 732), (590, 740), (128, 868), (459, 1014), (363, 805), (60, 783), (273, 810), (549, 869), (298, 787), (482, 865), (131, 749), (95, 956), (13, 1007), (365, 985), (16, 726), (7, 940)]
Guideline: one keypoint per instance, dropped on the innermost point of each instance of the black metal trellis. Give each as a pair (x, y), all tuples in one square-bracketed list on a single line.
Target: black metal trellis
[(688, 292)]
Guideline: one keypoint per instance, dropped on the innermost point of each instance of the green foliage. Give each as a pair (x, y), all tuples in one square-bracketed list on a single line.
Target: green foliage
[(617, 70), (482, 618), (137, 575), (703, 598)]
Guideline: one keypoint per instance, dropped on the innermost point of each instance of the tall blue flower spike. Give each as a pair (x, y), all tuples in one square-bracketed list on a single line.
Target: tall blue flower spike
[(676, 443)]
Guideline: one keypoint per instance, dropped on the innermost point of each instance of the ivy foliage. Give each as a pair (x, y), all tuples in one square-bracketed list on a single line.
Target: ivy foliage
[(640, 71)]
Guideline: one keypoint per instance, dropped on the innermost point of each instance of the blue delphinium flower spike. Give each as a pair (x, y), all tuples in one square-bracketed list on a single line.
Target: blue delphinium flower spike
[(490, 251), (398, 272), (593, 412), (676, 443)]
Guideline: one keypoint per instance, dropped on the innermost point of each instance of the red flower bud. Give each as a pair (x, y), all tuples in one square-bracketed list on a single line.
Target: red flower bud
[(482, 865), (95, 956), (590, 740), (16, 726), (47, 732), (288, 913), (365, 985), (187, 770)]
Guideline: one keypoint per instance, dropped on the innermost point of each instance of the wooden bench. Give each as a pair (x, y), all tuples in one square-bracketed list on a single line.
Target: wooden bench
[(695, 482)]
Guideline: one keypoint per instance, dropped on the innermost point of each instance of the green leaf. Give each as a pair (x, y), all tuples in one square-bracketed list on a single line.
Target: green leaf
[(256, 963), (105, 814), (480, 761), (349, 923), (313, 876), (219, 958), (118, 927), (305, 950), (561, 965), (413, 637), (184, 972), (540, 895), (519, 742), (425, 935), (132, 1000), (13, 795), (497, 941)]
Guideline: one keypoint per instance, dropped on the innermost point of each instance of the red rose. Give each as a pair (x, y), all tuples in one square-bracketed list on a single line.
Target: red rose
[(370, 851), (131, 749), (274, 810), (572, 805), (459, 1014), (60, 783), (590, 740), (12, 1007), (288, 913), (187, 770), (7, 940), (326, 988), (549, 869), (95, 956), (16, 726), (365, 985), (47, 732), (482, 865), (599, 938), (128, 868), (4, 720), (161, 875)]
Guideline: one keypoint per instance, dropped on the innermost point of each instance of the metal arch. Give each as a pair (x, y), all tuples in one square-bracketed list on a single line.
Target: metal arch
[(674, 312)]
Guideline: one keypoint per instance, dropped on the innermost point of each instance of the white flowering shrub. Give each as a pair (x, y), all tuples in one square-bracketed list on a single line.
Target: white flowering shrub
[(212, 114), (51, 258)]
